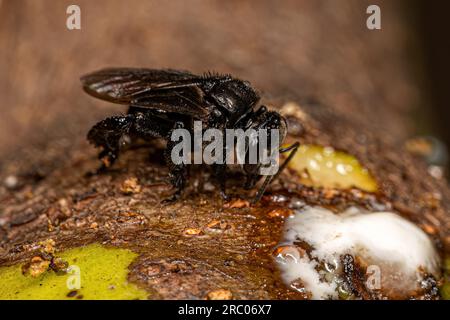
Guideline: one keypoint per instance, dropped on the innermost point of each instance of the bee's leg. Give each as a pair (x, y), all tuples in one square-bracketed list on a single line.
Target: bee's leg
[(220, 173), (148, 125), (220, 170), (251, 180), (107, 135), (177, 172), (293, 148)]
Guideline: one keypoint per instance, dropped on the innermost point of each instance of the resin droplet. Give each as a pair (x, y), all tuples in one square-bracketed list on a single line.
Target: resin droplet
[(325, 167)]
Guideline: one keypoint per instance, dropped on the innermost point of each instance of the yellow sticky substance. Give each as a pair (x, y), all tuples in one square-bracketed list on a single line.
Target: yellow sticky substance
[(102, 274), (325, 167), (445, 289)]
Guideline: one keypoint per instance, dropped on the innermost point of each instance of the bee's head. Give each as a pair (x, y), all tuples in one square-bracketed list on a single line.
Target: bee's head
[(275, 131), (275, 125)]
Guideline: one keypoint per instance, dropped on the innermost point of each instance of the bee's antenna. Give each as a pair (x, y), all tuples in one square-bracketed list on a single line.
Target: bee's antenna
[(262, 189)]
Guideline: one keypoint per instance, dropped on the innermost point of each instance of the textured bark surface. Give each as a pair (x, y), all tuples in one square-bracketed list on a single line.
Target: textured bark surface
[(357, 90)]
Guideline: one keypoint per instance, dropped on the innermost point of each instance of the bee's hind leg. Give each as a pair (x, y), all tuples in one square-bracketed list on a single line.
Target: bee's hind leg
[(107, 134)]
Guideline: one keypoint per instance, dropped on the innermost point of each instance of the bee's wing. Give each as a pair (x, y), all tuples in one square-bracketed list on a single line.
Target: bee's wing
[(167, 90)]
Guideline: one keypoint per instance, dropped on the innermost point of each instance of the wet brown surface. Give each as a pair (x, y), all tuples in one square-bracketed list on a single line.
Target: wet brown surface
[(193, 244), (198, 243), (355, 88)]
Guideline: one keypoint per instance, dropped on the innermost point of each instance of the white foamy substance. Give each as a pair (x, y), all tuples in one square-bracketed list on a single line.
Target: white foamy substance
[(384, 239)]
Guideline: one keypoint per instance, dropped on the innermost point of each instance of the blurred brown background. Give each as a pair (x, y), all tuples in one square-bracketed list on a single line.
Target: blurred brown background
[(302, 50)]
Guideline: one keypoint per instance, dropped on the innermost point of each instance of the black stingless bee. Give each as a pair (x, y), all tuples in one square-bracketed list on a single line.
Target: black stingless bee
[(161, 101)]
